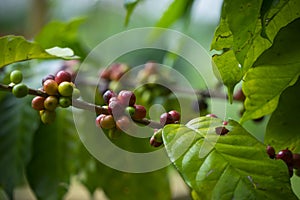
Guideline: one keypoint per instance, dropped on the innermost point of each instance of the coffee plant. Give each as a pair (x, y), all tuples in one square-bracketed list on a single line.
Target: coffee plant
[(48, 98)]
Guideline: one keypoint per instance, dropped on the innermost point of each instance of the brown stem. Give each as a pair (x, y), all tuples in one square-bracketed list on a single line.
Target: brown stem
[(84, 105)]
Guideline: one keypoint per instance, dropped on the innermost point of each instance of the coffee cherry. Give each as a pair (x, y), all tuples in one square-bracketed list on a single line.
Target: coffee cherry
[(107, 95), (166, 118), (76, 93), (65, 102), (98, 119), (239, 95), (175, 115), (158, 135), (127, 97), (50, 103), (16, 76), (291, 170), (155, 143), (50, 76), (62, 76), (47, 116), (65, 89), (37, 103), (129, 110), (296, 160), (107, 122), (140, 112), (50, 87), (20, 90), (115, 108), (225, 123), (285, 155), (221, 130), (123, 123), (271, 151)]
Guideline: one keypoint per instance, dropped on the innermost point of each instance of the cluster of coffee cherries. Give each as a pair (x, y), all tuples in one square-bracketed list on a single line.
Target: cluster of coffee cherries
[(59, 90), (292, 160), (19, 89), (121, 107), (171, 117)]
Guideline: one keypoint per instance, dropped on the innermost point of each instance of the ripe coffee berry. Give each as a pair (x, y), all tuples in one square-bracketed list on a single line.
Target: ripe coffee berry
[(16, 76), (62, 76), (20, 90), (123, 123), (50, 103), (271, 151), (221, 130), (175, 115), (50, 87), (108, 95), (37, 103), (166, 118), (285, 155), (98, 119), (127, 97), (115, 108), (107, 122), (50, 76), (47, 116), (155, 143), (140, 112), (65, 89), (296, 160)]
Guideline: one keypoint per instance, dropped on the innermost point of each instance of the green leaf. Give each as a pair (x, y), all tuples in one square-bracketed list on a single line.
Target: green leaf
[(242, 31), (18, 124), (52, 163), (176, 10), (274, 71), (62, 34), (232, 166), (283, 127), (130, 6)]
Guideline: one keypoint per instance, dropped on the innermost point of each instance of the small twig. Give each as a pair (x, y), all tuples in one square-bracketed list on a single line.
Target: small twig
[(84, 105)]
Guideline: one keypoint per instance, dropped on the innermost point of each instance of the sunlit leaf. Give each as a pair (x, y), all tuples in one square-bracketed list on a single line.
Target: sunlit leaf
[(231, 166), (275, 70), (130, 6), (283, 128), (18, 124)]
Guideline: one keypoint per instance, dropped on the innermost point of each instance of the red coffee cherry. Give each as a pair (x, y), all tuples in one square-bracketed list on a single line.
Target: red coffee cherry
[(62, 76), (127, 98), (296, 160), (285, 155), (166, 118), (140, 112), (155, 143), (37, 103), (108, 95), (271, 151), (175, 115), (221, 130)]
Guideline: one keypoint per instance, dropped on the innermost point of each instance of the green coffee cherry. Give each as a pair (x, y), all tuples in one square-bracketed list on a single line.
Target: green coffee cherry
[(50, 103), (16, 76), (47, 116), (20, 90), (130, 110), (65, 89), (76, 93), (65, 102)]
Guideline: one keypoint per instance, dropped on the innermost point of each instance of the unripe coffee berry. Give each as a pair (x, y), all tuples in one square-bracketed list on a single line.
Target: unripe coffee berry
[(50, 103), (127, 98), (47, 116), (50, 87), (166, 118), (16, 76), (65, 102), (107, 122), (62, 76), (155, 143), (140, 112), (65, 89), (271, 151), (76, 93), (175, 115), (129, 110), (20, 90), (37, 103)]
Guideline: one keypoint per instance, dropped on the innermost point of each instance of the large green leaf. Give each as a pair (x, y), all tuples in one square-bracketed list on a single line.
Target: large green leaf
[(231, 166), (274, 71), (16, 49), (62, 34), (18, 123), (283, 128), (52, 163), (242, 31)]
